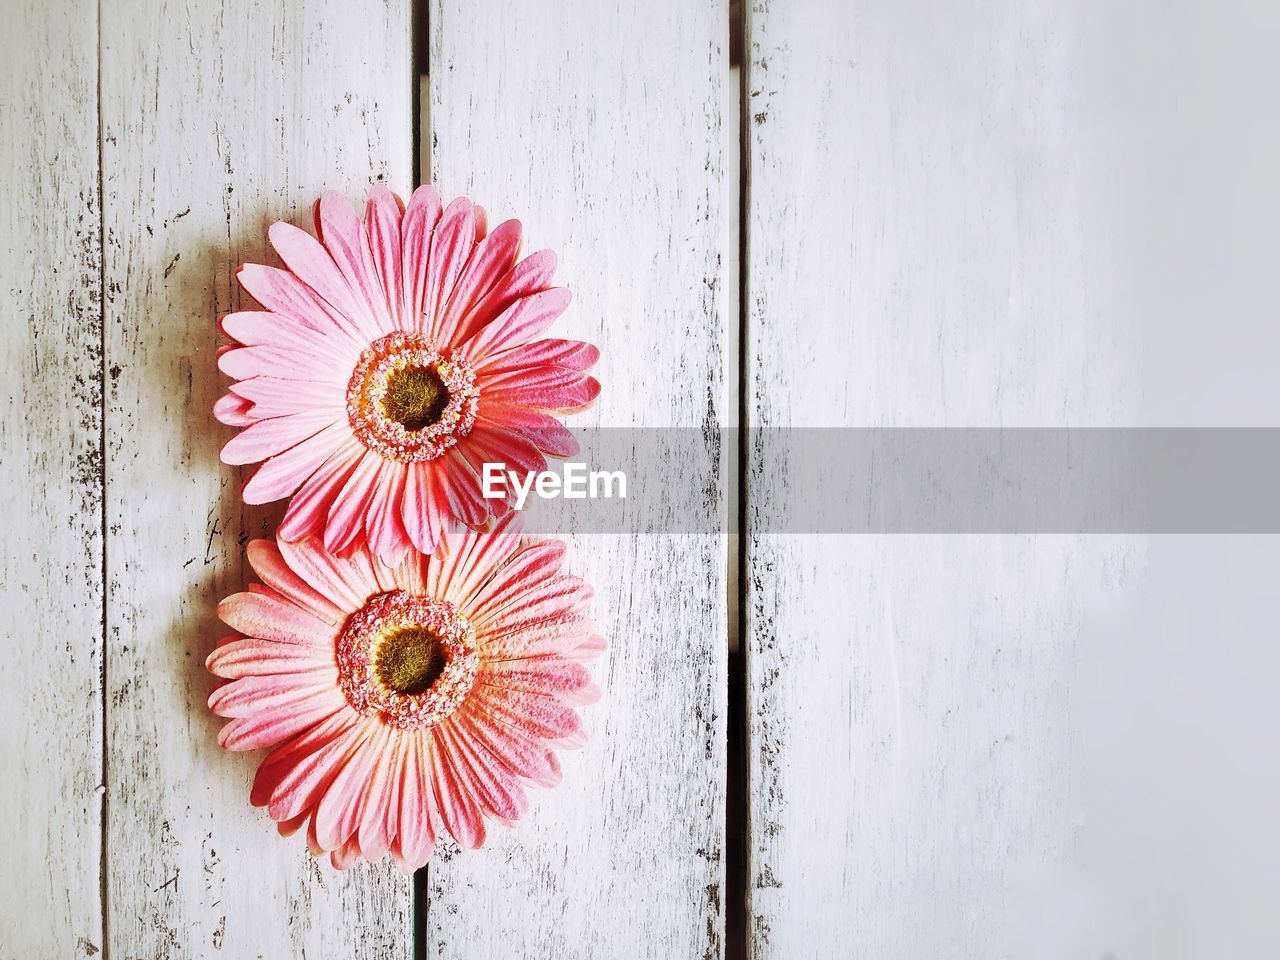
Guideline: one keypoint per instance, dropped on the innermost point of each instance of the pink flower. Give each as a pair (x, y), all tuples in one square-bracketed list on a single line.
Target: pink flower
[(405, 702), (393, 359)]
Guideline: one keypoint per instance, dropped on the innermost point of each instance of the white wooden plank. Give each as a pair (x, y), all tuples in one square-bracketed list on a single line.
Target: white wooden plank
[(930, 245), (50, 438), (599, 125), (1175, 708), (217, 120)]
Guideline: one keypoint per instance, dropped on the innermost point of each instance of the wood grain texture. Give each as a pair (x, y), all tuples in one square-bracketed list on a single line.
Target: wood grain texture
[(217, 120), (50, 472), (930, 244), (563, 115)]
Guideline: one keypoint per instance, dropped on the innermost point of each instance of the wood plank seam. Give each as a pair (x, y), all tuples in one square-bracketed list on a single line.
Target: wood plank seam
[(103, 785)]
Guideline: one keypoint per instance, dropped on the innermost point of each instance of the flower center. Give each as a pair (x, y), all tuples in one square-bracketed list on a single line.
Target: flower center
[(409, 402), (410, 659), (415, 397)]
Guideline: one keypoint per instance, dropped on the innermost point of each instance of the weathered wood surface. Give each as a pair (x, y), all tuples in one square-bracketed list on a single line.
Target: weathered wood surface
[(930, 244), (217, 119), (50, 435), (600, 127), (955, 214)]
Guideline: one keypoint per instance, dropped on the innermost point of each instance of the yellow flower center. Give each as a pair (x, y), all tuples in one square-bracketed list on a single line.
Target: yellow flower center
[(416, 397), (409, 402), (409, 660)]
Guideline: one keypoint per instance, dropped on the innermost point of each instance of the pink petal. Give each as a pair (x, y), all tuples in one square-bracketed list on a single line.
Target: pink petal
[(269, 564), (304, 255), (411, 575), (589, 648), (532, 714), (313, 845), (424, 505), (517, 570), (468, 559), (547, 388), (256, 328), (344, 237), (258, 695), (571, 354), (289, 827), (241, 363), (457, 807), (530, 275), (310, 505), (382, 221), (251, 656), (493, 788), (391, 811), (284, 473), (493, 258), (521, 602), (273, 618), (389, 576), (233, 410), (561, 635), (379, 792), (519, 323), (534, 563), (266, 728), (283, 293), (421, 217), (273, 397), (303, 785), (545, 676), (450, 249), (387, 536), (266, 438), (574, 740), (584, 696), (490, 443), (526, 757), (345, 526), (338, 812), (285, 758), (416, 824), (346, 856), (463, 488), (543, 431), (344, 584)]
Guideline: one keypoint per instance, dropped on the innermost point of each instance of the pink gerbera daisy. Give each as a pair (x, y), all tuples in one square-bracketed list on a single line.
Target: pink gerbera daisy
[(405, 702), (393, 359)]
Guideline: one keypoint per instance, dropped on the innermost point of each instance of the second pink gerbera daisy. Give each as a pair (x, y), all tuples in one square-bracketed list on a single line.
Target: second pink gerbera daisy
[(405, 702), (393, 359)]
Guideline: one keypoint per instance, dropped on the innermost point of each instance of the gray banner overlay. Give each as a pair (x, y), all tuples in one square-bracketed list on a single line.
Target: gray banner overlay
[(922, 480)]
